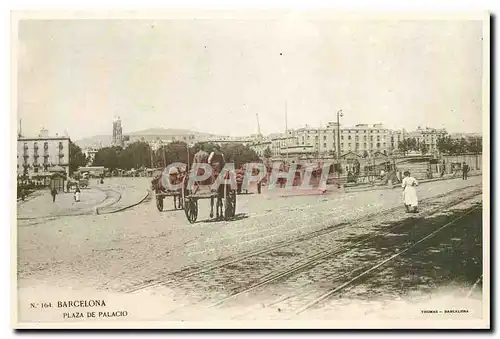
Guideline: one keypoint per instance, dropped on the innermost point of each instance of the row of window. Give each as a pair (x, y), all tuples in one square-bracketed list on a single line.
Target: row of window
[(348, 131), (342, 138), (45, 145), (325, 145), (35, 162)]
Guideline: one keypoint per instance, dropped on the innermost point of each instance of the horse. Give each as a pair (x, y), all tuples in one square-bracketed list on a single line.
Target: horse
[(216, 162)]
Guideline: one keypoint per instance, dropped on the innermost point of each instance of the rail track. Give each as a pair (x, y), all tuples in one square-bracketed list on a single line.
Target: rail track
[(322, 257), (319, 262), (178, 278), (111, 198), (473, 288), (368, 270), (346, 284)]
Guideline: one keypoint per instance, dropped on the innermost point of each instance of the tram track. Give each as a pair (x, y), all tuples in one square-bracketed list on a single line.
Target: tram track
[(311, 294), (320, 263), (473, 288), (322, 257), (111, 197), (368, 270), (177, 277)]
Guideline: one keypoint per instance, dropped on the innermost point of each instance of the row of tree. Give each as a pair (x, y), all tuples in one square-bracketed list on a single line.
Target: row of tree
[(141, 155), (445, 145)]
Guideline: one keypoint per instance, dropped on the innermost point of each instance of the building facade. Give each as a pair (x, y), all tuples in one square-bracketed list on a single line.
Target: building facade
[(428, 136), (38, 155), (362, 139)]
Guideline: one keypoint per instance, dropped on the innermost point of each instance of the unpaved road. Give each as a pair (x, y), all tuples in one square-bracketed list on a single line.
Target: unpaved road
[(143, 251)]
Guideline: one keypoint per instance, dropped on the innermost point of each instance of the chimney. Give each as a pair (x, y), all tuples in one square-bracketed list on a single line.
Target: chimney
[(44, 133)]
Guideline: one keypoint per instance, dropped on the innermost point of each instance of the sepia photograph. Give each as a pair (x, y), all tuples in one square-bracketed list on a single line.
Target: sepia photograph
[(250, 169)]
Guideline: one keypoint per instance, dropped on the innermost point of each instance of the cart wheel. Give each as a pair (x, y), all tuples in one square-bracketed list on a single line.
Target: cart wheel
[(159, 203), (230, 205), (191, 210)]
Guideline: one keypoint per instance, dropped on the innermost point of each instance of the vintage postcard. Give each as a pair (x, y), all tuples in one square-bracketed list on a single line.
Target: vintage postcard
[(250, 169)]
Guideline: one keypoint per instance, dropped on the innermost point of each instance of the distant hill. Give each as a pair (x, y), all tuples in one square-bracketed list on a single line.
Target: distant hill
[(150, 133), (95, 141), (165, 131)]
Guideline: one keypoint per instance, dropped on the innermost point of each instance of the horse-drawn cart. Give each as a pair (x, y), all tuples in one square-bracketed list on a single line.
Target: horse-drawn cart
[(224, 197), (177, 199), (161, 189)]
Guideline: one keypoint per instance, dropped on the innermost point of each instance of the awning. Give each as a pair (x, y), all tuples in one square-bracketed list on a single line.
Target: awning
[(57, 169)]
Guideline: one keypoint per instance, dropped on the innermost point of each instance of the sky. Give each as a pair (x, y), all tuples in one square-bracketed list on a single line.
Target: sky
[(215, 75)]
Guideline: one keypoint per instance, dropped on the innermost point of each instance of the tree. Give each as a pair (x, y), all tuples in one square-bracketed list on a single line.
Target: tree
[(447, 145), (413, 144), (135, 155), (475, 145), (267, 153), (424, 148), (177, 151), (239, 154), (461, 146), (76, 157), (409, 144), (403, 146), (207, 146), (108, 157), (443, 144)]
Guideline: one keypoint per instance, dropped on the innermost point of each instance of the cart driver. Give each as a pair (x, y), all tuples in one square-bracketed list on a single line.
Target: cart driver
[(216, 160), (173, 175), (201, 156)]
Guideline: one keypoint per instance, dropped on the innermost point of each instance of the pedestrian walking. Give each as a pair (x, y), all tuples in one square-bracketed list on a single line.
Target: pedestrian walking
[(53, 192), (409, 185), (465, 171), (77, 194)]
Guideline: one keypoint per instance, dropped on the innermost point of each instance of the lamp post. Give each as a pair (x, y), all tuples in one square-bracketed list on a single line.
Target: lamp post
[(339, 114)]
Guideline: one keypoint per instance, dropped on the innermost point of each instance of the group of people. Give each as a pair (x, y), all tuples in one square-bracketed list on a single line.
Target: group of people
[(76, 194), (240, 178)]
